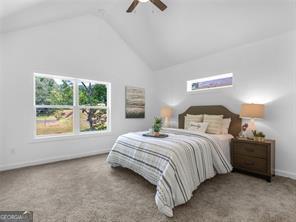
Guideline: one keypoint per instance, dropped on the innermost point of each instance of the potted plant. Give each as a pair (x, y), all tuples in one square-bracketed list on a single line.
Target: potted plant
[(157, 126), (258, 136)]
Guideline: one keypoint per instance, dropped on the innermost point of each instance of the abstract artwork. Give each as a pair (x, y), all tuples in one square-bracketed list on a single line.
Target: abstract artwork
[(134, 102)]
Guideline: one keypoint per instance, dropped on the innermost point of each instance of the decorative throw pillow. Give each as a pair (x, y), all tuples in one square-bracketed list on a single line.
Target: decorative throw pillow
[(225, 125), (200, 127), (199, 117), (215, 123), (192, 118)]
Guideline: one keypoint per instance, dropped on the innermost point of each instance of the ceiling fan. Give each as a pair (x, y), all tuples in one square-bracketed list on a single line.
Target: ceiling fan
[(159, 4)]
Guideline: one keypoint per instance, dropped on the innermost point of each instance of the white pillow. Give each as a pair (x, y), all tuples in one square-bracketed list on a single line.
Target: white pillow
[(195, 116), (192, 118), (215, 123), (225, 125), (200, 127)]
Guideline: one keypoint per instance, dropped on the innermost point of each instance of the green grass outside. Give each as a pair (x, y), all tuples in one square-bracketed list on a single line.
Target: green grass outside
[(50, 125)]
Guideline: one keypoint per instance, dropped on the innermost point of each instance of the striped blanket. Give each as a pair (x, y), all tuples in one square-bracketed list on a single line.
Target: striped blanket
[(176, 164)]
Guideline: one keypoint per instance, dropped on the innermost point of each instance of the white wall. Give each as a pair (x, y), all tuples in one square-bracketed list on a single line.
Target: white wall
[(83, 47), (86, 47), (1, 106), (265, 72)]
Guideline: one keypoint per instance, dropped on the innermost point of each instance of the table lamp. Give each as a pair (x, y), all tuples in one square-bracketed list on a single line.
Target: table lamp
[(166, 112), (252, 111)]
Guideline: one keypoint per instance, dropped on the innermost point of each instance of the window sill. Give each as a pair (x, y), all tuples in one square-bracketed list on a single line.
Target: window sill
[(70, 137)]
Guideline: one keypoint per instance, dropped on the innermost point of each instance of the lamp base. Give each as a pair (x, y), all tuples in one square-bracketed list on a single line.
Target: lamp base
[(251, 128), (166, 123)]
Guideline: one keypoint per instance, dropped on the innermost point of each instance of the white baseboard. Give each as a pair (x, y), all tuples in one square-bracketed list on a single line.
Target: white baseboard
[(51, 160), (285, 174)]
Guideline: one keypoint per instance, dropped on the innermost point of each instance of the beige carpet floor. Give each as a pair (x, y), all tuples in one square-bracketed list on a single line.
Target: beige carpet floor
[(89, 190)]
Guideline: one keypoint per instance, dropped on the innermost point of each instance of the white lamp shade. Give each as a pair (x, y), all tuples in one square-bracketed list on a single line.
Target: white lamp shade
[(166, 112), (252, 111)]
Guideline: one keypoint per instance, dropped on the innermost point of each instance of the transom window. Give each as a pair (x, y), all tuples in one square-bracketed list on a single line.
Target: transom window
[(212, 82), (70, 106)]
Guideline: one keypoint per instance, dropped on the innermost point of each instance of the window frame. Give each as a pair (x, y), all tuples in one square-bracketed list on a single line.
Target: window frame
[(76, 131)]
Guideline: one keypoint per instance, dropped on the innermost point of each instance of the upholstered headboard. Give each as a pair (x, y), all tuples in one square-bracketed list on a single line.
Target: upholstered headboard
[(236, 122)]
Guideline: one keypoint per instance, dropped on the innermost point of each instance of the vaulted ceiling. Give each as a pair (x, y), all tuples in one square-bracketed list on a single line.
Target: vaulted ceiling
[(188, 29)]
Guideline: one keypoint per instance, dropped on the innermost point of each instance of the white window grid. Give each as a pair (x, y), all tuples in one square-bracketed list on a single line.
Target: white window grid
[(75, 107)]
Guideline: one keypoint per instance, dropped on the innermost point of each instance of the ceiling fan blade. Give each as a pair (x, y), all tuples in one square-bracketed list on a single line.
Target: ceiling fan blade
[(159, 4), (132, 6)]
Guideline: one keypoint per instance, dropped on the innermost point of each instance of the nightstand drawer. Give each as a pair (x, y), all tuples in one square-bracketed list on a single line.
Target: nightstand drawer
[(252, 164), (254, 150)]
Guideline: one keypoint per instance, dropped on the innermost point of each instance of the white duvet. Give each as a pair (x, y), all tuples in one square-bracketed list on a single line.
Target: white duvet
[(176, 164)]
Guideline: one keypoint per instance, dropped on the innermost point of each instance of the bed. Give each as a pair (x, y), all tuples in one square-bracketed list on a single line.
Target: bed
[(178, 164)]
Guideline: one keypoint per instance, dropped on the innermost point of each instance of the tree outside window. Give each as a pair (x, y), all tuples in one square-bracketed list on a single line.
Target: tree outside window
[(70, 106)]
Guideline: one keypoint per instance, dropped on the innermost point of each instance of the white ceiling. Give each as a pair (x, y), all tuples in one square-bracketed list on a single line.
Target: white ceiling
[(8, 7), (188, 29)]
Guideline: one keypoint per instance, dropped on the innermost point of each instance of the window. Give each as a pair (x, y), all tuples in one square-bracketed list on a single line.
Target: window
[(213, 82), (70, 106)]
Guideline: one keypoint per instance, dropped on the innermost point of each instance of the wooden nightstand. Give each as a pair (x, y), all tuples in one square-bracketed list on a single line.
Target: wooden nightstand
[(253, 157)]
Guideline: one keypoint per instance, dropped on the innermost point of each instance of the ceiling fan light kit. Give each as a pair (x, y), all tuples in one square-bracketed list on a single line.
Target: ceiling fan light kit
[(158, 3)]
